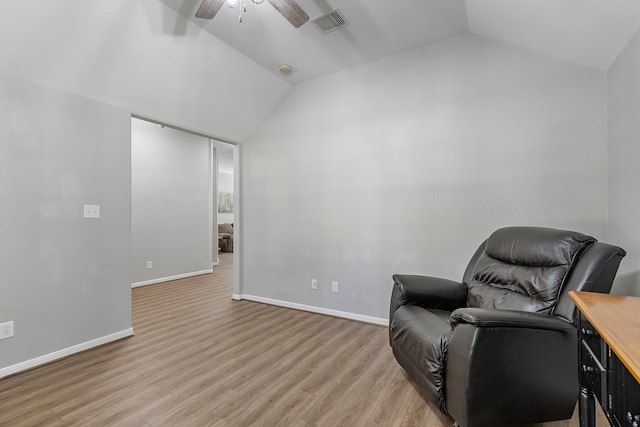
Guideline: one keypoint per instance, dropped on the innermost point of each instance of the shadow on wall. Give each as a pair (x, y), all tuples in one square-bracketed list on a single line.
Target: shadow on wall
[(627, 284)]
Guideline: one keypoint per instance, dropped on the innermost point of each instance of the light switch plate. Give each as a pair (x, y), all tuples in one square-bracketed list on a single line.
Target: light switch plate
[(92, 211)]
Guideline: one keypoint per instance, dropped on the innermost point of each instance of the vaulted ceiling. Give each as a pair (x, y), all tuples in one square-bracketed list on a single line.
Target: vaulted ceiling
[(589, 32)]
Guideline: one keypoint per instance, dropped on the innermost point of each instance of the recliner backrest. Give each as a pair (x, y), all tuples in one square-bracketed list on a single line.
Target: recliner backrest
[(523, 268), (594, 272)]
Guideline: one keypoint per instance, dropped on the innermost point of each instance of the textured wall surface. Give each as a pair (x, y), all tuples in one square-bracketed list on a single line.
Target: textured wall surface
[(406, 164), (64, 280)]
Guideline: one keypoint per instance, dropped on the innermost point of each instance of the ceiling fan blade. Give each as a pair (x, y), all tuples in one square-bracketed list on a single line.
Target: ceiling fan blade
[(209, 8), (291, 10)]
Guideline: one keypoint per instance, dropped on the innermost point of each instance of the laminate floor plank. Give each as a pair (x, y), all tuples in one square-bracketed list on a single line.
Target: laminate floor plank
[(199, 358)]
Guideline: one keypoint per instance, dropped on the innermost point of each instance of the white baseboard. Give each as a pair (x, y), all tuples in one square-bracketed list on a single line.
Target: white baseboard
[(23, 366), (314, 309), (166, 279)]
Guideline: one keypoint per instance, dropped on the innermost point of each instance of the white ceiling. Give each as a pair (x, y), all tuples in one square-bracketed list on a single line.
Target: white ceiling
[(589, 32)]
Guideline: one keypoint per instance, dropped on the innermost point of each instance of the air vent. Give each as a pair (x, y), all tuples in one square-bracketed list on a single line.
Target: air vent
[(329, 22)]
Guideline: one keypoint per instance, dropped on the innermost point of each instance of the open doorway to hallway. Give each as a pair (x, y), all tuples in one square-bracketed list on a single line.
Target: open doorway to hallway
[(224, 195), (176, 177)]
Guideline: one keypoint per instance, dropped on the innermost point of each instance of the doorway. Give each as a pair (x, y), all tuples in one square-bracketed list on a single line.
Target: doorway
[(224, 190), (174, 208)]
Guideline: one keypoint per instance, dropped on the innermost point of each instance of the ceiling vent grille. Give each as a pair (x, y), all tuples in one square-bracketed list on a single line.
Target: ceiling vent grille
[(329, 22)]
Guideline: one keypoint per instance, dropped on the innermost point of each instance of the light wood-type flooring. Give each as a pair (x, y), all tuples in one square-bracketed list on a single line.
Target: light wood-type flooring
[(200, 359)]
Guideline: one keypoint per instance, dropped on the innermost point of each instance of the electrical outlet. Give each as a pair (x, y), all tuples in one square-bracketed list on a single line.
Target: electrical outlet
[(92, 211), (314, 284), (149, 265), (334, 286), (6, 330)]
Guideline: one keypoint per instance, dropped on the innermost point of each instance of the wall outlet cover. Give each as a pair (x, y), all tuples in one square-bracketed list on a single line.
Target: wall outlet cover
[(6, 330), (92, 211)]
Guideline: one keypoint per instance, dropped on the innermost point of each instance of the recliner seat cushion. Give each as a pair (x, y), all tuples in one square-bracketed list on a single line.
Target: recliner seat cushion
[(524, 268)]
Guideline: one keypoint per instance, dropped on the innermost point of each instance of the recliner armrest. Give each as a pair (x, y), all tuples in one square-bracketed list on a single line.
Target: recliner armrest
[(490, 350), (428, 292), (493, 318)]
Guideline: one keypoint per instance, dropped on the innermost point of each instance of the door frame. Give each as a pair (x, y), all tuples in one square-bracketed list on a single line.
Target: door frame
[(237, 199)]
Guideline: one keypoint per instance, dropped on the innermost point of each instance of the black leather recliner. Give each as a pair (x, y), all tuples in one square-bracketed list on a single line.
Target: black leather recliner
[(500, 348)]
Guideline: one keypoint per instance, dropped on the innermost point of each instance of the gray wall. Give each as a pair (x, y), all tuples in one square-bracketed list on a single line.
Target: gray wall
[(64, 280), (171, 203), (623, 82), (406, 164)]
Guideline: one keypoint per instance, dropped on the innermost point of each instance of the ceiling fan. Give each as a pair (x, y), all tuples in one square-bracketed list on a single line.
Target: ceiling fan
[(288, 8)]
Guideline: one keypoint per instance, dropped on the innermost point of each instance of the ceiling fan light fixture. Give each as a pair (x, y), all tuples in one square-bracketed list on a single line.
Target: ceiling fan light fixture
[(287, 8)]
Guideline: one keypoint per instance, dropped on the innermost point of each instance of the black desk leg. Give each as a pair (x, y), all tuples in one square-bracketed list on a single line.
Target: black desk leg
[(587, 408)]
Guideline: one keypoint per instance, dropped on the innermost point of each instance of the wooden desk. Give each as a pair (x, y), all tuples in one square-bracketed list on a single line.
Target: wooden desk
[(609, 352)]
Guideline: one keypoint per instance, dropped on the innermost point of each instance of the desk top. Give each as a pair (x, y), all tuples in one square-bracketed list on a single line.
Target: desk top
[(617, 320)]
